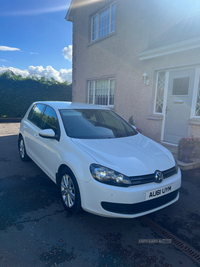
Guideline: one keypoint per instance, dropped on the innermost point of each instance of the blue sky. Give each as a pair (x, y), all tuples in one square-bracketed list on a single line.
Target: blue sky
[(35, 38)]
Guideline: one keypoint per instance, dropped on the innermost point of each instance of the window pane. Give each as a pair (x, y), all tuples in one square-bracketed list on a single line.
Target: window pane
[(104, 22), (91, 84), (113, 16), (197, 113), (94, 28), (160, 92), (101, 92), (181, 86), (112, 92), (35, 114), (49, 120)]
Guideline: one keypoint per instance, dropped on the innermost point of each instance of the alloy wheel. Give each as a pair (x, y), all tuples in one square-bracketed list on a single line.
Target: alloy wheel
[(68, 190), (22, 148)]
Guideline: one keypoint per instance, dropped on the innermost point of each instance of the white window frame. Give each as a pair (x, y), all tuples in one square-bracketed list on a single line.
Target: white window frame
[(195, 96), (97, 15), (94, 82)]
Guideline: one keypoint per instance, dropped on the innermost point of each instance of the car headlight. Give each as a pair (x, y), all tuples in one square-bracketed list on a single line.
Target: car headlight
[(176, 164), (108, 176)]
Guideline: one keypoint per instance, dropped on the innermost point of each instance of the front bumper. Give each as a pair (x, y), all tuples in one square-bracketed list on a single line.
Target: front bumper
[(129, 202)]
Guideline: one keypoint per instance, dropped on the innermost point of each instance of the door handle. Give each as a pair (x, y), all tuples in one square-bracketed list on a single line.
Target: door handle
[(36, 136), (166, 109), (25, 127)]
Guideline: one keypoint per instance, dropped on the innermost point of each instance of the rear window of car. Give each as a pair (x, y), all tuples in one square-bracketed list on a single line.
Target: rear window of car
[(95, 124)]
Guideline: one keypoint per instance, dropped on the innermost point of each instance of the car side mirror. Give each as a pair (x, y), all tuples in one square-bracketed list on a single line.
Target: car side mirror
[(133, 127), (47, 133)]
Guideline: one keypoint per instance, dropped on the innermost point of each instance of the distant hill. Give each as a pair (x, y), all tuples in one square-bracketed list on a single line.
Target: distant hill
[(17, 93)]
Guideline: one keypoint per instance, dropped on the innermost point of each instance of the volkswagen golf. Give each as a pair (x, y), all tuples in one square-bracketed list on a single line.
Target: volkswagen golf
[(100, 162)]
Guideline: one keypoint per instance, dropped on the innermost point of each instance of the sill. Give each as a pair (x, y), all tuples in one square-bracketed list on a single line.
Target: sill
[(155, 117), (102, 38), (194, 121)]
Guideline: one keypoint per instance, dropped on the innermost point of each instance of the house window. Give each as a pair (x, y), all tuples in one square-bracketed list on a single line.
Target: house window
[(101, 92), (160, 92), (103, 23), (94, 28), (197, 112)]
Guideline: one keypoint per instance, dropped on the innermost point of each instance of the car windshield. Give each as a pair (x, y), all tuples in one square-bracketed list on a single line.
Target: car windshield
[(95, 124)]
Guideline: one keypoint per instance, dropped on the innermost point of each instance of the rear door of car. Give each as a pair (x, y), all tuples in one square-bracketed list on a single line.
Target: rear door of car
[(31, 128)]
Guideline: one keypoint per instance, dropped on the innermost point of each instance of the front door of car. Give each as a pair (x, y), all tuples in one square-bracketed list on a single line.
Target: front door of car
[(48, 154)]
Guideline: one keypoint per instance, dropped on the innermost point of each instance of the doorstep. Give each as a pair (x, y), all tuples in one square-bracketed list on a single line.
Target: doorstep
[(182, 165), (189, 166)]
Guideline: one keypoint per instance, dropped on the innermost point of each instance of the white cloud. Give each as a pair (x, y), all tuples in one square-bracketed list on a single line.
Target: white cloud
[(67, 53), (23, 73), (33, 53), (7, 48), (66, 75), (40, 71), (4, 60)]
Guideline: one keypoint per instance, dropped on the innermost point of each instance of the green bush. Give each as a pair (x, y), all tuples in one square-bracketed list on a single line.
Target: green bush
[(17, 93)]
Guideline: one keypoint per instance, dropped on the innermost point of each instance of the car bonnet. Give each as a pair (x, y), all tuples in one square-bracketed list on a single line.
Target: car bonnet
[(134, 155)]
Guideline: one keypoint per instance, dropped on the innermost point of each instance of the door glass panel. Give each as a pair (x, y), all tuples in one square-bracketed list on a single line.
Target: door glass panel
[(160, 92), (181, 86), (49, 120)]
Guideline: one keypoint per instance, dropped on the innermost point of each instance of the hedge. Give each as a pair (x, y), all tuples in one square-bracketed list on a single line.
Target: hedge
[(17, 93)]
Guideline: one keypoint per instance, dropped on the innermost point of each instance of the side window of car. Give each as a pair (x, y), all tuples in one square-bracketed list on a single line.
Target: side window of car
[(35, 114), (50, 120)]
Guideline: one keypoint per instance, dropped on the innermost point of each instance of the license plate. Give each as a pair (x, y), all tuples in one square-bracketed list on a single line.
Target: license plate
[(151, 194)]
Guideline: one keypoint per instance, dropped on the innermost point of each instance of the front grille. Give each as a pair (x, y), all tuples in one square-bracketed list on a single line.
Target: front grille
[(144, 179), (139, 207)]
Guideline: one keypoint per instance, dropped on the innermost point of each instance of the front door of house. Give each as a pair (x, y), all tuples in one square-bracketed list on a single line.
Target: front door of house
[(178, 107)]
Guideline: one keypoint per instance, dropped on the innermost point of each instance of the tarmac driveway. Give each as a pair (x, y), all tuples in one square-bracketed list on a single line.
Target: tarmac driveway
[(35, 230)]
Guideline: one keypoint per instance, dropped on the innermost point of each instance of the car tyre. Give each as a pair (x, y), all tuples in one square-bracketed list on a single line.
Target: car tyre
[(22, 150), (69, 191)]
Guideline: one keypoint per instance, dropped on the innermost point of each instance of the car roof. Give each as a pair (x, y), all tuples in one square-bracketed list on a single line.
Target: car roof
[(70, 105)]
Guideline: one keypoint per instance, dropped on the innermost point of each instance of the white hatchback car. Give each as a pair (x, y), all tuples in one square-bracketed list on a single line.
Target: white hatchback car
[(98, 160)]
